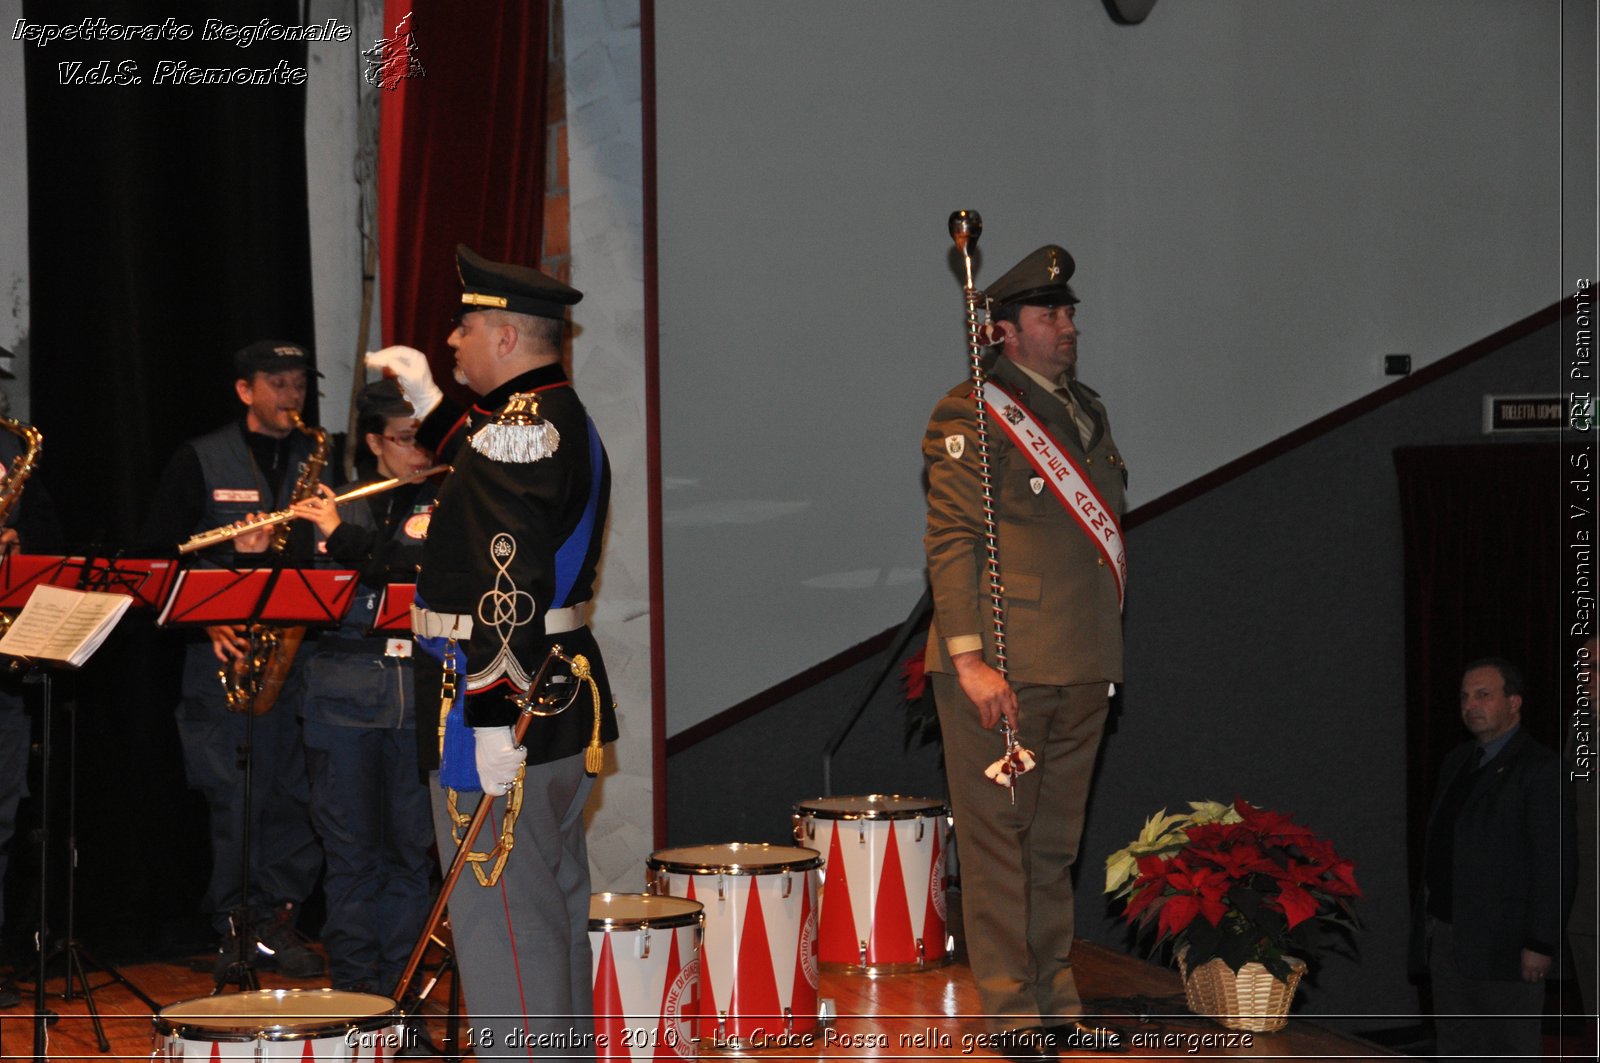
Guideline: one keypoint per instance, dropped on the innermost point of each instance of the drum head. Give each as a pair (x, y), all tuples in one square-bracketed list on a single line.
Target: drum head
[(735, 858), (636, 911), (871, 806), (274, 1014)]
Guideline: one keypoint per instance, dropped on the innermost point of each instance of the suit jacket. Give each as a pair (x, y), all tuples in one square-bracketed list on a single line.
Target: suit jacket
[(1063, 621), (1513, 859)]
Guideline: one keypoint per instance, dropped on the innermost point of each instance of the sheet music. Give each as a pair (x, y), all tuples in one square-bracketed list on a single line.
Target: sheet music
[(63, 625)]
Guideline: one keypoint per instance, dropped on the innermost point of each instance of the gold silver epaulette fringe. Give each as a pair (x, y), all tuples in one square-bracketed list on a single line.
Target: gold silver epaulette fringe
[(517, 433)]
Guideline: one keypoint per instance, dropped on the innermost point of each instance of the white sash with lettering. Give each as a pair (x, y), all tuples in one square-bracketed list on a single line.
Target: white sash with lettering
[(1066, 481)]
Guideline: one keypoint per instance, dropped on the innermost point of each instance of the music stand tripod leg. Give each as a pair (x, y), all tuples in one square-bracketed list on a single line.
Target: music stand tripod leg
[(243, 969), (70, 948)]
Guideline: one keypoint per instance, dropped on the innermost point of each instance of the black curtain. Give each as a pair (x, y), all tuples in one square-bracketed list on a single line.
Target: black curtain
[(1482, 531), (167, 228)]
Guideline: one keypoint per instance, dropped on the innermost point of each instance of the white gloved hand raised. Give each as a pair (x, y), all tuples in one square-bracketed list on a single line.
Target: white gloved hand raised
[(499, 758), (409, 367)]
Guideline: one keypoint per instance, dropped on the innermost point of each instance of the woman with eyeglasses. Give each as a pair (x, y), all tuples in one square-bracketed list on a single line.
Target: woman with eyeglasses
[(368, 801)]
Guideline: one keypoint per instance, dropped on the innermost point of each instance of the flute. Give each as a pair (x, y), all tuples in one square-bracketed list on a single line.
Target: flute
[(267, 520)]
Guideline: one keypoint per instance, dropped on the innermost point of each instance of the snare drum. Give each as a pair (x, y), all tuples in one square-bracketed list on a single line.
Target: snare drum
[(883, 905), (324, 1025), (646, 975), (758, 970)]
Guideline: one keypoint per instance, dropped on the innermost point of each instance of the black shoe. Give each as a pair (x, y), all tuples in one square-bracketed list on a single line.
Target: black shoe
[(9, 997), (1087, 1035), (280, 946), (1029, 1044)]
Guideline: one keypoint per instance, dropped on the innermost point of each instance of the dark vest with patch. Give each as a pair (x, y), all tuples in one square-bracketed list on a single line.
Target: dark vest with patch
[(231, 472)]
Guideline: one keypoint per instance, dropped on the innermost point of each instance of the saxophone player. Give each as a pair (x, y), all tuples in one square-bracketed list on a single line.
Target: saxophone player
[(248, 466)]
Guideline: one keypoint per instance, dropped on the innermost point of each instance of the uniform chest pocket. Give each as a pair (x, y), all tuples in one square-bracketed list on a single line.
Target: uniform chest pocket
[(1023, 588)]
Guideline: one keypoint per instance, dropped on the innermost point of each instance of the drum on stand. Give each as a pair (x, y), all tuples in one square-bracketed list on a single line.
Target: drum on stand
[(883, 890), (758, 969), (646, 975), (325, 1025)]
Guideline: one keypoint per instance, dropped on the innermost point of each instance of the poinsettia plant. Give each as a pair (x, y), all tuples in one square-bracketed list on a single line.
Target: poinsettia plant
[(1232, 881)]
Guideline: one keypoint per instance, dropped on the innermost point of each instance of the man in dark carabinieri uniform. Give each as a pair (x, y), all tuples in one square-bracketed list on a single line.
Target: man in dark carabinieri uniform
[(1058, 484), (507, 573)]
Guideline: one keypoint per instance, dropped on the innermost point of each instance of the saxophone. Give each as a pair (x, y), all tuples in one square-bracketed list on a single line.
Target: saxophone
[(252, 683), (21, 466), (15, 475)]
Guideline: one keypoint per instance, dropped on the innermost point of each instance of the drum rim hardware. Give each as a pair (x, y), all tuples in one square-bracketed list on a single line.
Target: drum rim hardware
[(923, 807), (661, 861), (232, 1029), (689, 916)]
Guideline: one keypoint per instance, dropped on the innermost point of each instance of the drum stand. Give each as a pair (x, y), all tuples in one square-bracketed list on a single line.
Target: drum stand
[(77, 959)]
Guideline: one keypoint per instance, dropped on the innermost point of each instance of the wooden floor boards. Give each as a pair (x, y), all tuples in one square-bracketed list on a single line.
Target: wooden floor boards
[(926, 1015)]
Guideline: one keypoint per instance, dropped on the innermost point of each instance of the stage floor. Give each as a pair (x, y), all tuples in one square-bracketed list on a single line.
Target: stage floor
[(926, 1015)]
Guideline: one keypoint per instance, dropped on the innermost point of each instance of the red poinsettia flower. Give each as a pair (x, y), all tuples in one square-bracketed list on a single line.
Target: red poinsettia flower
[(1225, 873), (1340, 879), (1295, 903), (1271, 826), (1197, 891), (1220, 835), (1236, 862)]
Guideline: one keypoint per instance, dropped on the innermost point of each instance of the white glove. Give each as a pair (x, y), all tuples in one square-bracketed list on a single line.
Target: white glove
[(498, 758), (409, 367)]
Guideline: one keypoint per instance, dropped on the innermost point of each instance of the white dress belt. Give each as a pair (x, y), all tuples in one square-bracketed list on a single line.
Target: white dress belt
[(425, 623)]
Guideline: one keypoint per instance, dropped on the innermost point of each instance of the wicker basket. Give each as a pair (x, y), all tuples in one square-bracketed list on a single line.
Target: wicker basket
[(1252, 999)]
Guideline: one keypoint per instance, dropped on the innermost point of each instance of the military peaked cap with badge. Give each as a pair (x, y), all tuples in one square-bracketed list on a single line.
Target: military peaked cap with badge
[(271, 356), (1038, 280), (487, 285)]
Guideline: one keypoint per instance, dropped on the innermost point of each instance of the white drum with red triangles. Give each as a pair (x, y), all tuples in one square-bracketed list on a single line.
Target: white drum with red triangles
[(646, 975), (883, 904), (295, 1025), (758, 970)]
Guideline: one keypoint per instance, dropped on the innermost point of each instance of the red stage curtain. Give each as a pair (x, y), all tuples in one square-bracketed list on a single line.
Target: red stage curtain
[(461, 157), (1482, 530)]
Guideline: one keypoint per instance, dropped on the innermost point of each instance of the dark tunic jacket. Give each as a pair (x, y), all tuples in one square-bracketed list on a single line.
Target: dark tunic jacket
[(508, 542)]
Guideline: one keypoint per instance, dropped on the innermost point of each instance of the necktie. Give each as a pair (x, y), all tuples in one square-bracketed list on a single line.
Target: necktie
[(1079, 418)]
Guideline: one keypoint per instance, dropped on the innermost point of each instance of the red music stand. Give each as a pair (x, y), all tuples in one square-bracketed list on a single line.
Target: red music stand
[(146, 581), (20, 573), (281, 597), (394, 608), (284, 596)]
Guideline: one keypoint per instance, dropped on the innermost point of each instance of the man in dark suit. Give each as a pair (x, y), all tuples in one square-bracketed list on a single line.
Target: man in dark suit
[(1057, 483), (1496, 874)]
